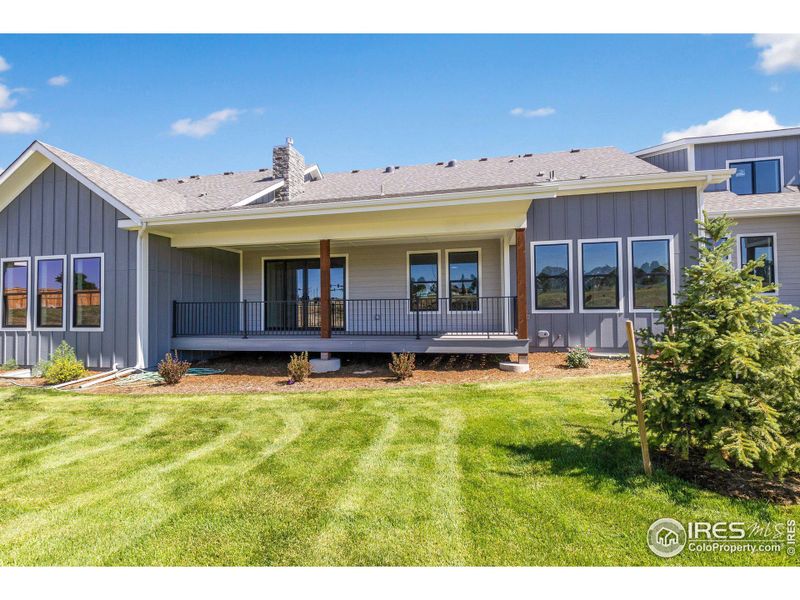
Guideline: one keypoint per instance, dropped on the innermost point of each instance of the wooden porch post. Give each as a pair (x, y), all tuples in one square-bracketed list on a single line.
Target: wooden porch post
[(325, 288), (522, 287)]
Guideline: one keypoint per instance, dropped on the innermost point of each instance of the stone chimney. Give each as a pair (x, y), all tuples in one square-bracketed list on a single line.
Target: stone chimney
[(288, 164)]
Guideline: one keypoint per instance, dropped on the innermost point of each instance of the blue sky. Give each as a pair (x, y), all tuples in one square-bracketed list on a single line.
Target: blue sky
[(368, 101)]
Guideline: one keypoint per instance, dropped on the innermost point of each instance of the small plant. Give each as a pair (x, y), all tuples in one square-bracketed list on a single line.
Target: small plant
[(403, 365), (299, 367), (62, 366), (172, 369), (9, 365), (578, 358)]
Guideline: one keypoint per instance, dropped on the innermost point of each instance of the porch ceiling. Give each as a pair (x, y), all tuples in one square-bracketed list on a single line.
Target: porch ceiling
[(487, 219)]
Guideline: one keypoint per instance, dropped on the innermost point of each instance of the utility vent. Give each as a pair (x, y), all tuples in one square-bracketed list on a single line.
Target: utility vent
[(201, 195), (583, 176), (355, 170), (180, 181), (540, 174), (397, 167), (511, 160), (574, 150), (439, 164), (263, 170), (162, 179), (552, 175), (527, 155), (389, 170), (451, 163), (228, 173), (484, 159), (194, 176)]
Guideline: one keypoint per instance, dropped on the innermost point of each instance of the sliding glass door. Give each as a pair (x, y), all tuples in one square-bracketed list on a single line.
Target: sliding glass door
[(292, 294)]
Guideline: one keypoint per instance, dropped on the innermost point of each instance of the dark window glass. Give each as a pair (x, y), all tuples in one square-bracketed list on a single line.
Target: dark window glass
[(600, 263), (463, 279), (753, 248), (756, 177), (50, 293), (424, 281), (86, 291), (551, 264), (651, 276), (15, 293)]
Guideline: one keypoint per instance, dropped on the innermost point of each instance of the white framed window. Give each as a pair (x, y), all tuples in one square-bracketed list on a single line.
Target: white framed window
[(423, 276), (15, 281), (49, 307), (552, 282), (464, 275), (763, 175), (651, 273), (87, 292), (751, 246), (600, 270)]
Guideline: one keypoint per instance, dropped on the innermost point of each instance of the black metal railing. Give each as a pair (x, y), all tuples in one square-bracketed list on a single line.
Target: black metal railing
[(486, 316)]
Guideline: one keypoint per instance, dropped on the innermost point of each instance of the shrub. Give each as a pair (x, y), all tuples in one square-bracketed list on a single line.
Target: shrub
[(578, 358), (9, 365), (403, 365), (299, 367), (172, 369), (723, 379), (62, 366)]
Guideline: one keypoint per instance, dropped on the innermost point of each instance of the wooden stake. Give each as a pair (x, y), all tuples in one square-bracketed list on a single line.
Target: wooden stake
[(637, 392)]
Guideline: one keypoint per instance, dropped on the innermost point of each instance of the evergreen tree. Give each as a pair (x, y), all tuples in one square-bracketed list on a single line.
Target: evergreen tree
[(723, 378)]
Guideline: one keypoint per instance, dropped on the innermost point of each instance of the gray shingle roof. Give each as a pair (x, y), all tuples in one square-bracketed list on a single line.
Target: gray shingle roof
[(728, 202), (142, 197), (219, 192)]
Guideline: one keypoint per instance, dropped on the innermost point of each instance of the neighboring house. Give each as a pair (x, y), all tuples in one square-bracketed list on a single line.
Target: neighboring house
[(493, 255), (762, 196)]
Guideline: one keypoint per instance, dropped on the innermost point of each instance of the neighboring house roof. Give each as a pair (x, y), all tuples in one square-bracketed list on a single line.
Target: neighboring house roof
[(436, 178), (787, 201), (710, 139)]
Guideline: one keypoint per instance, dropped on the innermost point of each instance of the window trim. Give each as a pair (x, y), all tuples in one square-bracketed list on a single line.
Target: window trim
[(620, 266), (72, 258), (672, 287), (3, 261), (753, 160), (739, 262), (570, 275), (438, 254), (448, 251), (63, 258)]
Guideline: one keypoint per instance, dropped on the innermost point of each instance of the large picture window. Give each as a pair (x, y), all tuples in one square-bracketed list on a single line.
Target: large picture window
[(423, 280), (756, 176), (753, 247), (15, 293), (600, 269), (551, 272), (463, 272), (651, 274), (50, 292), (87, 292)]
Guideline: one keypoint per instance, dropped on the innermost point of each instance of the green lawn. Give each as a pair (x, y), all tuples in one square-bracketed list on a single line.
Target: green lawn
[(516, 474)]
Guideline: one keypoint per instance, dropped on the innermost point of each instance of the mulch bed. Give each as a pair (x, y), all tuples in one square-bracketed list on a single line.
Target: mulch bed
[(738, 482), (253, 372)]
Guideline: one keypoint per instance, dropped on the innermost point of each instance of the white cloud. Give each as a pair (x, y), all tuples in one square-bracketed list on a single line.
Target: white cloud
[(19, 122), (200, 128), (780, 51), (530, 113), (58, 81), (736, 121), (776, 88), (6, 101), (4, 66)]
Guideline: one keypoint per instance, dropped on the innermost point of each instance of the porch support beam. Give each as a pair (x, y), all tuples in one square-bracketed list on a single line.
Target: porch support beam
[(522, 287), (325, 285)]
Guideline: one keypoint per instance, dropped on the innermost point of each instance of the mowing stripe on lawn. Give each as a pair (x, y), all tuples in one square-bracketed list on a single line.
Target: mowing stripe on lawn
[(448, 505)]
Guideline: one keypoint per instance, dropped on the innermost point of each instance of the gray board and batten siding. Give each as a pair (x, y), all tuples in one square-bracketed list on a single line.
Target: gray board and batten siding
[(611, 215), (676, 160), (57, 215)]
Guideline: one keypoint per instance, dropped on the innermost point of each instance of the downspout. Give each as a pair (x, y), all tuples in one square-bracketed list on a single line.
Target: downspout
[(142, 296)]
